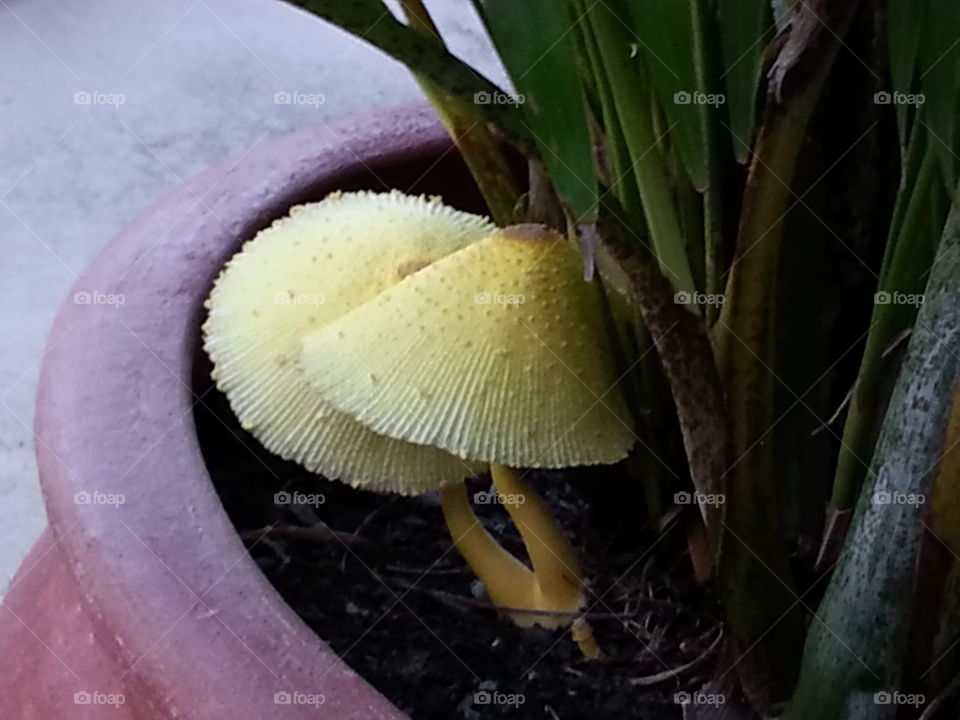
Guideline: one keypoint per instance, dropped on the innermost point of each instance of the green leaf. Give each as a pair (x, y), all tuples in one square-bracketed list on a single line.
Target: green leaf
[(904, 18), (371, 21), (536, 41), (630, 94), (909, 252), (939, 69), (856, 645), (745, 26), (667, 39)]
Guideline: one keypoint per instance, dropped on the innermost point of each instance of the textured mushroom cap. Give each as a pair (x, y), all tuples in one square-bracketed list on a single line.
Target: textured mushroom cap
[(497, 352), (302, 272)]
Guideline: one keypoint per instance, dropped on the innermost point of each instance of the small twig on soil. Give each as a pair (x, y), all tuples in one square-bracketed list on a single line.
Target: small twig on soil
[(463, 601), (277, 550), (372, 514), (678, 671), (363, 524), (433, 571), (316, 533)]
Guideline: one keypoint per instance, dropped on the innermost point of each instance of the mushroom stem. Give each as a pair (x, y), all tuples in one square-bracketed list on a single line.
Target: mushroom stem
[(509, 582), (553, 585), (554, 562)]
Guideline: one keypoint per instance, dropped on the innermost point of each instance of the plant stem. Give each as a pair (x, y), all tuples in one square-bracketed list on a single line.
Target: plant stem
[(684, 353), (755, 576), (468, 130)]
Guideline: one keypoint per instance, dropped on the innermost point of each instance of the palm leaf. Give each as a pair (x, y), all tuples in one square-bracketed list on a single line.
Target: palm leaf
[(668, 32), (543, 68), (372, 21), (909, 252), (745, 26), (904, 18), (939, 70)]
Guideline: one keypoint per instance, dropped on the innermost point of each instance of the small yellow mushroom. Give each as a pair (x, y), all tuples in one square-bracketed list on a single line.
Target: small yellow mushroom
[(519, 395), (303, 272)]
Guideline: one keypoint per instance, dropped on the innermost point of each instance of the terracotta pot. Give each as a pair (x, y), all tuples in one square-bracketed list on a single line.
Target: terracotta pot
[(141, 590)]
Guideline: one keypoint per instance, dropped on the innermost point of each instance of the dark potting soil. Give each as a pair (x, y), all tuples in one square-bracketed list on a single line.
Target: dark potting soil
[(378, 579)]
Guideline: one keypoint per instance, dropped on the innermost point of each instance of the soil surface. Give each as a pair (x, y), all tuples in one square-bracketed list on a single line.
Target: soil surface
[(378, 579)]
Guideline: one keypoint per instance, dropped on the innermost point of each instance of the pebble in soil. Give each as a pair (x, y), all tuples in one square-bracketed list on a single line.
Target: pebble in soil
[(378, 579)]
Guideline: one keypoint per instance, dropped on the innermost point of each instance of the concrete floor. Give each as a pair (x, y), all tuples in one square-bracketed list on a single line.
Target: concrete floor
[(107, 104)]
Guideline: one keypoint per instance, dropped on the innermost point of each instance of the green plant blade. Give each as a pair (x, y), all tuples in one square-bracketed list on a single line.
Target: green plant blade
[(630, 94), (855, 648), (904, 18), (939, 70), (745, 27), (767, 624), (371, 21), (667, 31), (910, 250), (543, 67)]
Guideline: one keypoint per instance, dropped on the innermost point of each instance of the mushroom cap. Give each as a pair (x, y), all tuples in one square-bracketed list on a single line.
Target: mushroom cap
[(498, 352), (302, 272)]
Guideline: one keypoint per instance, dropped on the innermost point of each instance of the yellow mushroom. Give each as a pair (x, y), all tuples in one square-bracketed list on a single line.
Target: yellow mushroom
[(495, 353), (296, 276)]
